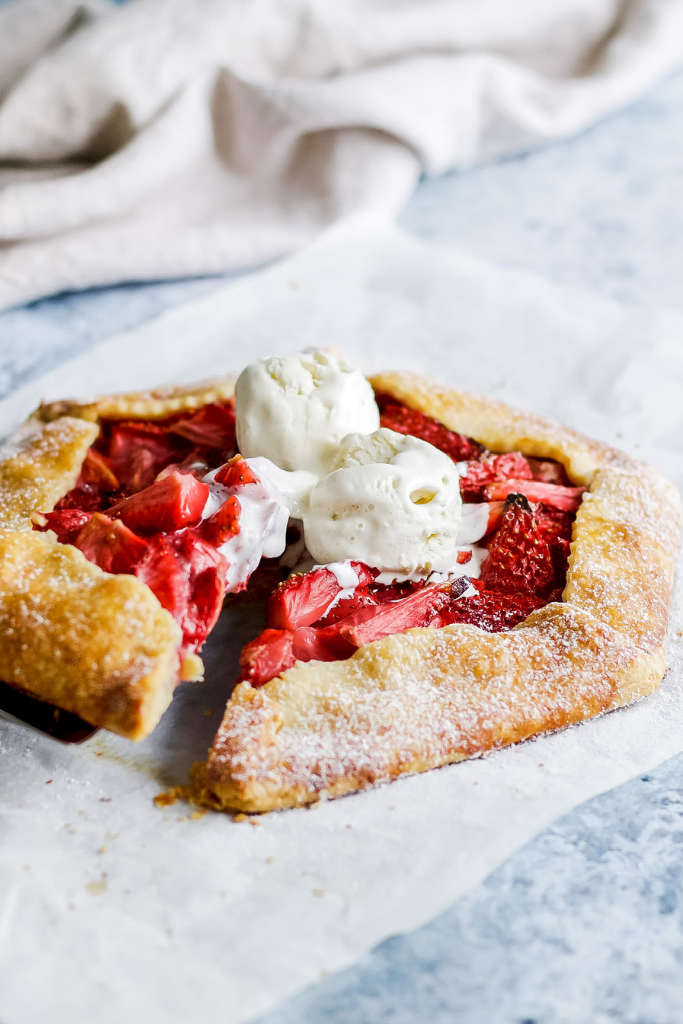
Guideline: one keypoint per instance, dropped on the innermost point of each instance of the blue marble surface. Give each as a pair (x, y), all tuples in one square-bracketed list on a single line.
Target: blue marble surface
[(585, 924)]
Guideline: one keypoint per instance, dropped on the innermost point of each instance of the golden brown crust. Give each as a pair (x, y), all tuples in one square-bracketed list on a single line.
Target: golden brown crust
[(155, 404), (420, 699), (95, 644), (39, 465), (98, 645)]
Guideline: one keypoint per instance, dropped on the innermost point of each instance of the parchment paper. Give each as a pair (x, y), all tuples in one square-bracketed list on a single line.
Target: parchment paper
[(112, 909)]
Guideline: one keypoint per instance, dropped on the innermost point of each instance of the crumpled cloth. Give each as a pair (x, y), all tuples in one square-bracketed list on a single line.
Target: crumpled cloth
[(178, 137)]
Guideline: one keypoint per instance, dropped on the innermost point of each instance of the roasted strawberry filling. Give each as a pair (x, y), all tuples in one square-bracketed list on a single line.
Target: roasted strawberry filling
[(141, 506), (129, 455), (137, 508), (409, 421), (532, 506)]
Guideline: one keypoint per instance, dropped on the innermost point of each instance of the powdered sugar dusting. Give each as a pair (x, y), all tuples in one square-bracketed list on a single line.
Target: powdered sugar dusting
[(39, 465), (419, 699), (414, 701)]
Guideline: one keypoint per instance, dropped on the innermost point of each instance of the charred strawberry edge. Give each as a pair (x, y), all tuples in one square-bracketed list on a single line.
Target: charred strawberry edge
[(137, 505)]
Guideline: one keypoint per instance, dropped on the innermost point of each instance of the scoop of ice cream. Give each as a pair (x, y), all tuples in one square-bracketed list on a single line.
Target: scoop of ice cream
[(295, 409), (394, 503)]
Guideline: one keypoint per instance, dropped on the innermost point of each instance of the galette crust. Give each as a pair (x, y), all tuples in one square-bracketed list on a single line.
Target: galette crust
[(155, 404), (427, 697), (96, 644), (103, 647)]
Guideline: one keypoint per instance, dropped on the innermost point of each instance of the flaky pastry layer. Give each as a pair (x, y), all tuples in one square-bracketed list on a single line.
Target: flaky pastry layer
[(427, 697)]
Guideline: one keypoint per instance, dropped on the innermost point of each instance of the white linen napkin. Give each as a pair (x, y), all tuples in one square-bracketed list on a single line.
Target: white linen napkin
[(112, 909), (185, 137)]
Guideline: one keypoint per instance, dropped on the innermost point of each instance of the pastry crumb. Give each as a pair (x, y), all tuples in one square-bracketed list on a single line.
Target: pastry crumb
[(169, 796)]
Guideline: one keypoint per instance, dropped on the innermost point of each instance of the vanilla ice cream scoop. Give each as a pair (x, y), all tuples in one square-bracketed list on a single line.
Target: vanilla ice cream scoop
[(393, 503), (295, 409)]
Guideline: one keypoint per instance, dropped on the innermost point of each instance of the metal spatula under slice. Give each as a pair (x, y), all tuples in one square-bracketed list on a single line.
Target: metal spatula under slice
[(46, 718)]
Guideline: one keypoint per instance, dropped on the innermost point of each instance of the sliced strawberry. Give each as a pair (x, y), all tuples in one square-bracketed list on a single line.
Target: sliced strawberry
[(84, 497), (302, 599), (207, 570), (204, 606), (212, 426), (493, 611), (495, 516), (139, 451), (464, 557), (110, 544), (555, 526), (97, 471), (324, 644), (169, 504), (193, 463), (236, 473), (548, 471), (166, 575), (389, 593), (223, 524), (66, 524), (556, 529), (369, 624), (567, 499), (362, 598), (486, 471), (187, 576), (409, 421), (519, 556), (267, 656)]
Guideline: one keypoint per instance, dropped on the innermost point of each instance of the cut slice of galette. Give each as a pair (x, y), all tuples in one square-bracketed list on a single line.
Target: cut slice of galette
[(466, 575), (105, 593)]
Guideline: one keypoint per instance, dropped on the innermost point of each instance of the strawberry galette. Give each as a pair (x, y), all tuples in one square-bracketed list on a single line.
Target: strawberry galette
[(455, 575)]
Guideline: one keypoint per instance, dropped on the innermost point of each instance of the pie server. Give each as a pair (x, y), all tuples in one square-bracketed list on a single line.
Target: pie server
[(46, 718)]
